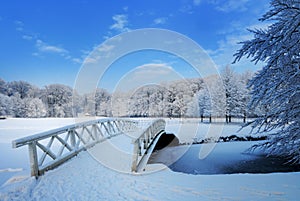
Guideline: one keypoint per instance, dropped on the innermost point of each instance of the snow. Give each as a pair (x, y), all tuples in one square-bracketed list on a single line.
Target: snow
[(14, 128), (84, 178), (119, 148)]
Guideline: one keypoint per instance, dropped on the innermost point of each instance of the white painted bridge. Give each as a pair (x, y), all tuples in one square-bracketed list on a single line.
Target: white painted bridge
[(104, 139)]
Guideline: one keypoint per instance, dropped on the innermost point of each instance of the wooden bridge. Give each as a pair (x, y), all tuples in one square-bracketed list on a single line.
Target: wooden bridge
[(49, 149)]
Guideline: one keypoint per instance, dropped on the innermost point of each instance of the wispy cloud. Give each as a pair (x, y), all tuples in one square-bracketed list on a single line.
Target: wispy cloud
[(19, 25), (77, 60), (125, 8), (188, 9), (161, 20), (27, 37), (154, 68), (230, 5), (44, 47), (150, 73), (105, 48), (121, 22), (228, 46)]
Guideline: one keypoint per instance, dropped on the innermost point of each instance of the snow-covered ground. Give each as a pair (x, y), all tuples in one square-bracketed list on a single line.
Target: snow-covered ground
[(14, 162), (84, 178)]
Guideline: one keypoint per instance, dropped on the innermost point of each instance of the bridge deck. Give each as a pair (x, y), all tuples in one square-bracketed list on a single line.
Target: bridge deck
[(119, 148), (130, 149)]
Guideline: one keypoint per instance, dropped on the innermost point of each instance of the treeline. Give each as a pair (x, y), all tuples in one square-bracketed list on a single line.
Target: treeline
[(208, 97), (223, 96)]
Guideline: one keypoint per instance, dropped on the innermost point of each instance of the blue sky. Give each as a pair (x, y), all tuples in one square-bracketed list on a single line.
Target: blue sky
[(45, 42)]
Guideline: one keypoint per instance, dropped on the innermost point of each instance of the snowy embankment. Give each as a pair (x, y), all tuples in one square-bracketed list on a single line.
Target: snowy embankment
[(84, 178)]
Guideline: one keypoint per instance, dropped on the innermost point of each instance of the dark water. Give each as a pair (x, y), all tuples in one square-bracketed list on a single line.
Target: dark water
[(226, 158)]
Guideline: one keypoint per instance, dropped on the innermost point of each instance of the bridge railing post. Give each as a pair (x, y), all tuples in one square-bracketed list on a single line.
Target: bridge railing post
[(49, 149), (33, 159), (136, 151), (142, 153)]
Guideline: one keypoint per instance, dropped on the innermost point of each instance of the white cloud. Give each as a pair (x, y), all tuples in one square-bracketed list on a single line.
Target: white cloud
[(161, 20), (125, 8), (150, 73), (154, 68), (121, 22), (43, 47)]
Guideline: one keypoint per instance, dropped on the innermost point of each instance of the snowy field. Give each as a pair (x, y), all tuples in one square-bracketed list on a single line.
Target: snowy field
[(84, 178)]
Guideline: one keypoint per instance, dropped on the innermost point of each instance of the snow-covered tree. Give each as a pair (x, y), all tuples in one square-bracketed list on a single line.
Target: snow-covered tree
[(231, 92), (58, 99), (3, 89), (204, 103), (245, 96), (78, 103), (180, 95), (277, 84), (170, 108), (120, 104), (34, 108), (216, 93), (193, 107), (18, 107), (157, 101), (102, 102), (139, 104), (6, 105), (23, 88)]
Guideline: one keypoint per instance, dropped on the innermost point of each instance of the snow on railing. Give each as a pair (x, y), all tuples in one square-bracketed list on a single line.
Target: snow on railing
[(49, 149), (144, 144)]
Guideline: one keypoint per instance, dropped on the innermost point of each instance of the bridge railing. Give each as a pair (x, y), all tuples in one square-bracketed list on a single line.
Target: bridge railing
[(144, 142), (49, 149)]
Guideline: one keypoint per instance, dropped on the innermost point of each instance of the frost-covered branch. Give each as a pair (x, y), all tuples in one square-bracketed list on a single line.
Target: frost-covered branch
[(277, 85)]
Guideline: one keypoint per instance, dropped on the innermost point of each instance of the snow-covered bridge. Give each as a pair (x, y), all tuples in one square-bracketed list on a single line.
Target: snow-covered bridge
[(129, 142)]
